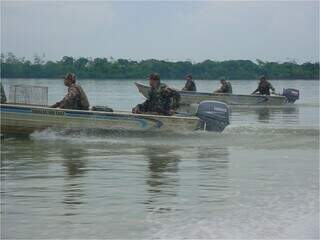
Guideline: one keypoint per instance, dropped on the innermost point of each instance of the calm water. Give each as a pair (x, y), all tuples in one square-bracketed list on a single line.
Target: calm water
[(258, 179)]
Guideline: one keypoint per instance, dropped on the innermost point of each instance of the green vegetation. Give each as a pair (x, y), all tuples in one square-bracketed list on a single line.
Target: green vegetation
[(103, 68)]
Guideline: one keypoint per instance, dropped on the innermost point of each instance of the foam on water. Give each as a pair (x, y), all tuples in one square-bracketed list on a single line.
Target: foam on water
[(243, 135)]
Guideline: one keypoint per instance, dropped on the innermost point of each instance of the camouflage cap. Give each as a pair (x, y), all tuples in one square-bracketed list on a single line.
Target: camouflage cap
[(70, 76), (263, 77), (154, 76)]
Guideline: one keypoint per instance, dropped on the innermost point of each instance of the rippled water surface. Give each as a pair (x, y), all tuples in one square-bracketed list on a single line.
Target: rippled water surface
[(257, 179)]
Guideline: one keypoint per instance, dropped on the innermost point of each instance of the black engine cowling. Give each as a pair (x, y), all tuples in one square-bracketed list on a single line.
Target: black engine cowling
[(214, 116), (291, 94)]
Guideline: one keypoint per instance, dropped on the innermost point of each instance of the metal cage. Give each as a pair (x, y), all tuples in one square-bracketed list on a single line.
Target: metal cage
[(27, 94)]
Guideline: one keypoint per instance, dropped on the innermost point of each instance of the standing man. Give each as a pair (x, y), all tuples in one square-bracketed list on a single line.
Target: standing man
[(264, 87), (225, 87), (75, 98), (190, 85), (160, 100)]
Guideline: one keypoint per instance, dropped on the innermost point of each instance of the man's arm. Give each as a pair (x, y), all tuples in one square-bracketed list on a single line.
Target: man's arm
[(175, 99), (187, 86), (257, 90), (271, 87), (142, 106), (194, 86), (184, 88), (220, 90), (69, 98), (57, 104)]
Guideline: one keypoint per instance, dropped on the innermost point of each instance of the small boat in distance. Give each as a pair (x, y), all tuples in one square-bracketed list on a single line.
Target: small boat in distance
[(187, 98), (18, 119)]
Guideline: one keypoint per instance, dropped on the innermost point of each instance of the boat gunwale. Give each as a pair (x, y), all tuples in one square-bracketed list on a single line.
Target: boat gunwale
[(90, 112)]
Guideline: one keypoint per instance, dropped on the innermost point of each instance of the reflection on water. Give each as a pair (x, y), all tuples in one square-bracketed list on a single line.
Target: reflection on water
[(215, 153), (161, 161), (267, 114), (213, 163), (162, 175), (75, 164), (74, 161), (167, 177), (263, 114)]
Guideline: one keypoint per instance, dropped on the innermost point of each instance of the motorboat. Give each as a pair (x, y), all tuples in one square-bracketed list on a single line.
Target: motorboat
[(23, 118), (187, 98)]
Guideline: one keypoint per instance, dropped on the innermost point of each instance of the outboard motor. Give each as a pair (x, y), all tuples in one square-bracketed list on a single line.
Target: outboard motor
[(291, 94), (214, 116)]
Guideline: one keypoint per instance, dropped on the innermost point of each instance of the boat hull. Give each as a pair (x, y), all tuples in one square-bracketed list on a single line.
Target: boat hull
[(24, 119), (188, 98)]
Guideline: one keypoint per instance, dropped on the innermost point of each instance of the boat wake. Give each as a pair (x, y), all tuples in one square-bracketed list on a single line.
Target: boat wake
[(233, 136)]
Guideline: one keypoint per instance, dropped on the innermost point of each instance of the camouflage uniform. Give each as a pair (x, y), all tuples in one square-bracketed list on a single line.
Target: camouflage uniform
[(3, 95), (73, 99), (190, 86), (160, 100), (84, 103), (225, 88), (264, 88)]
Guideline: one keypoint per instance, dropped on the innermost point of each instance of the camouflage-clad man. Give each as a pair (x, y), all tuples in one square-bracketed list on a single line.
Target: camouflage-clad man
[(225, 87), (190, 85), (3, 94), (161, 99), (75, 98), (264, 87), (84, 102)]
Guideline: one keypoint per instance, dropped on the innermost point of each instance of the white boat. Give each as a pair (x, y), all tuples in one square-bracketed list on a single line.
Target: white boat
[(187, 98), (211, 116)]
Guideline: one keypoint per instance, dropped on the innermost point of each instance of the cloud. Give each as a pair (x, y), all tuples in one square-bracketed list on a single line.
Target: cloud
[(164, 30), (271, 30), (55, 26)]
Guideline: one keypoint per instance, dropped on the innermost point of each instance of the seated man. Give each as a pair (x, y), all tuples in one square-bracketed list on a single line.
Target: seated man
[(161, 99), (190, 85), (83, 97), (225, 87), (75, 98), (264, 87), (3, 95)]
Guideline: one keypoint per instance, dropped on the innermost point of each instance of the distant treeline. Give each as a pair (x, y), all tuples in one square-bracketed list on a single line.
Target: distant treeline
[(103, 68)]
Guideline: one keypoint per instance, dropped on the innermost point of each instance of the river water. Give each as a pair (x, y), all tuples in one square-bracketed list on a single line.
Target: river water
[(257, 179)]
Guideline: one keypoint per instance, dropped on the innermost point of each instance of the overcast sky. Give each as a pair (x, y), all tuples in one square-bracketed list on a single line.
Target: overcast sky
[(272, 31)]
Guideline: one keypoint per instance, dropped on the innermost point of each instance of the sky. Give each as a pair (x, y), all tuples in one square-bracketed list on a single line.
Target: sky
[(167, 30)]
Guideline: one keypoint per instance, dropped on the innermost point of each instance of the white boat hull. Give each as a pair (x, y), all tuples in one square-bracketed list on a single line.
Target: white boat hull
[(27, 119)]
